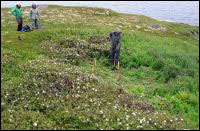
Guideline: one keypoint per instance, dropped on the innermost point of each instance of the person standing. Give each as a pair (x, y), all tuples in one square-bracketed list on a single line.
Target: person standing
[(34, 16), (116, 37), (17, 12)]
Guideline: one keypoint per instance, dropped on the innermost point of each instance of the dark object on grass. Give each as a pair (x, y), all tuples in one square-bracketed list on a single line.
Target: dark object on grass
[(19, 38), (26, 28)]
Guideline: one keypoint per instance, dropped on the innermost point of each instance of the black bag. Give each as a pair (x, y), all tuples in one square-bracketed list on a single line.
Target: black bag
[(26, 28)]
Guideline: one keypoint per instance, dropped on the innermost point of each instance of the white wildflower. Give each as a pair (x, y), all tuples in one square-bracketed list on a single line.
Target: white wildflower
[(118, 119), (101, 111), (139, 126), (133, 114), (141, 121), (149, 119), (35, 123)]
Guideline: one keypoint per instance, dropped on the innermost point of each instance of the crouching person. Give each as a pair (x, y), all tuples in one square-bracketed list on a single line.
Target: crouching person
[(34, 16), (116, 37)]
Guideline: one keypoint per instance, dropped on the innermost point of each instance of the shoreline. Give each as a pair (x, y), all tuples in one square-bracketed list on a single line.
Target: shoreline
[(170, 21)]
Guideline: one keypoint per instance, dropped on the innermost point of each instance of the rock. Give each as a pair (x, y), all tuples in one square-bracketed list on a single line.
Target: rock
[(162, 28), (8, 41), (74, 15), (138, 27), (107, 12), (176, 33), (147, 30), (152, 27), (194, 32)]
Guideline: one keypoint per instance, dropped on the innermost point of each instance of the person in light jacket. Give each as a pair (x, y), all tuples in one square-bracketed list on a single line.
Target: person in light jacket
[(34, 16)]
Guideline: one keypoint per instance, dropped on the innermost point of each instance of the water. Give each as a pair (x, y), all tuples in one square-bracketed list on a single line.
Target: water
[(175, 11)]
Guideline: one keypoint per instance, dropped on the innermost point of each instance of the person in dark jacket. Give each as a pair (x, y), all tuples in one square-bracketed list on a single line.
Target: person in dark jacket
[(116, 37), (17, 12)]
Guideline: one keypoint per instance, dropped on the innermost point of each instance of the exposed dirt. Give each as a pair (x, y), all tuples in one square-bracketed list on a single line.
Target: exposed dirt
[(98, 39), (102, 43), (129, 101)]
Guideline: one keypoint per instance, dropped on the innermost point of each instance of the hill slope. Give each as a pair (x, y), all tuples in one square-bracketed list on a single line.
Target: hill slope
[(47, 80)]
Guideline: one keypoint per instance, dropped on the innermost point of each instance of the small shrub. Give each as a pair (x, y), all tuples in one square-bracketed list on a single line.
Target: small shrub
[(171, 72), (158, 65)]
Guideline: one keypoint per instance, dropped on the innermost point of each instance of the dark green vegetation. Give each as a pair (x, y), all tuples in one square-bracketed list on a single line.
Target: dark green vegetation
[(47, 80)]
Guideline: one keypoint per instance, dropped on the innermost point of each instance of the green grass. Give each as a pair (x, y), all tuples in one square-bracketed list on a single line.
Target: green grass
[(47, 80)]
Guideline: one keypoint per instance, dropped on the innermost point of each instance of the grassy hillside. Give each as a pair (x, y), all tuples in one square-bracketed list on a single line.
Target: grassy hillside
[(48, 82)]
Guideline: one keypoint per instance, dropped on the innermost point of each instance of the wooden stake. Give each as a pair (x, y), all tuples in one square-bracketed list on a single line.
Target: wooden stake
[(118, 65), (118, 77)]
